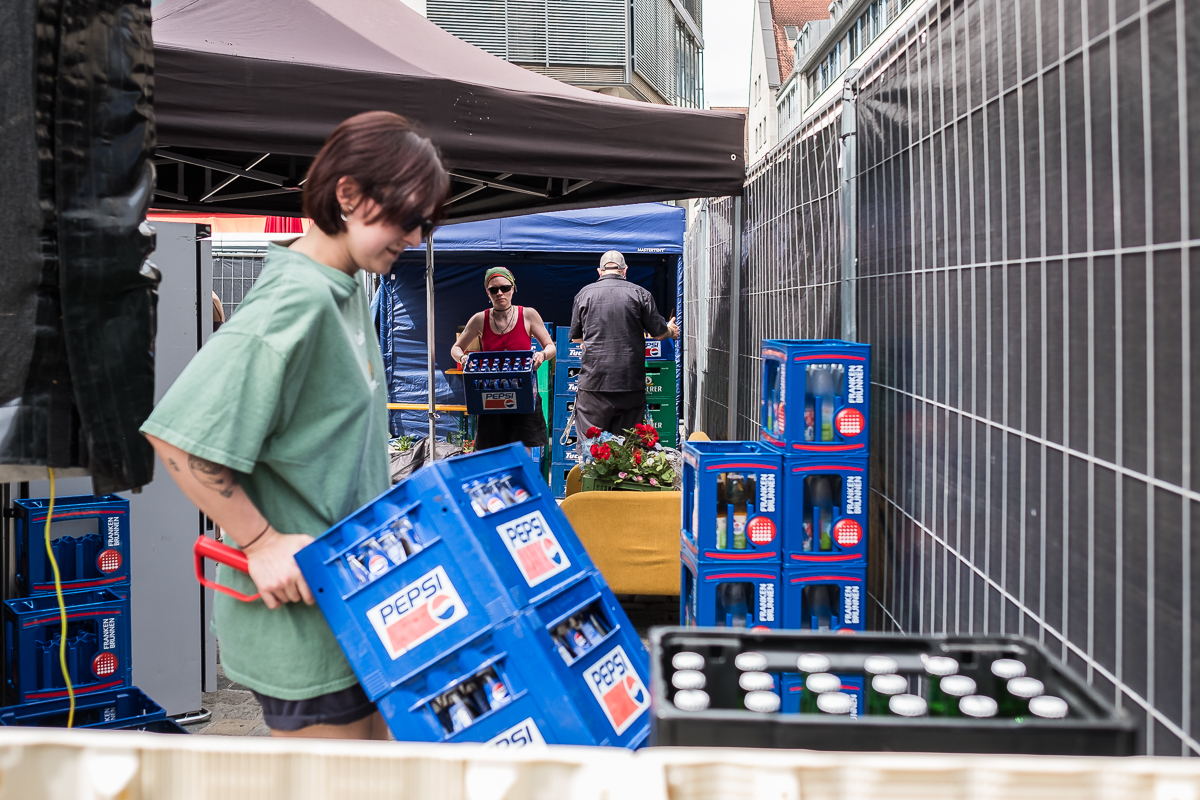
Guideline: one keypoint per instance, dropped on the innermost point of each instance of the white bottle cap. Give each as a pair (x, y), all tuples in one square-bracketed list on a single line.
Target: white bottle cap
[(978, 706), (691, 700), (835, 703), (1025, 687), (750, 662), (880, 665), (890, 684), (762, 702), (688, 679), (812, 662), (687, 660), (940, 666), (958, 685), (756, 682), (821, 682), (1008, 668), (908, 705), (1048, 707)]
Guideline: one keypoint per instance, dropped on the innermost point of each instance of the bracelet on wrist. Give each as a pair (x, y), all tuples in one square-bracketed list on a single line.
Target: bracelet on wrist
[(253, 541)]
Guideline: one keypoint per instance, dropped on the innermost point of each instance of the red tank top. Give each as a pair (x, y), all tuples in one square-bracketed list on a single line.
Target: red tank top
[(516, 339)]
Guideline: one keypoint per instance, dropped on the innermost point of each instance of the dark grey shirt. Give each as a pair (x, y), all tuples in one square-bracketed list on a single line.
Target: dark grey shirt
[(612, 316)]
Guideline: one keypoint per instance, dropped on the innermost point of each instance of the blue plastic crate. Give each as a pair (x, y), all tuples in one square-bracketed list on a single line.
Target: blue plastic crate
[(563, 453), (562, 412), (469, 573), (566, 377), (825, 512), (98, 644), (729, 595), (115, 708), (567, 350), (719, 478), (558, 478), (547, 699), (500, 382), (791, 691), (533, 343), (816, 395), (825, 596), (660, 349), (90, 538)]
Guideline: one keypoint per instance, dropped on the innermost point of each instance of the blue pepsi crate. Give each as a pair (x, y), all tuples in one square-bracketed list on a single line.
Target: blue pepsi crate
[(512, 686), (562, 412), (816, 396), (733, 510), (567, 350), (98, 644), (558, 478), (129, 707), (564, 453), (459, 572), (566, 377), (660, 349), (500, 382), (825, 597), (533, 343), (825, 514), (94, 555), (729, 595), (791, 691)]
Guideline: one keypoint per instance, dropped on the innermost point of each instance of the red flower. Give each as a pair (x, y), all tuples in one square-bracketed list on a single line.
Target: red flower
[(595, 450), (604, 452), (637, 457), (592, 432)]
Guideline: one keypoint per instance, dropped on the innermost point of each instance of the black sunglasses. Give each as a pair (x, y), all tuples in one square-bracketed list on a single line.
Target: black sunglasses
[(417, 221), (500, 289)]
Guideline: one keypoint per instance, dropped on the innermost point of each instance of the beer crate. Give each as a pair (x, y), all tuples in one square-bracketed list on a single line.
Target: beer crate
[(558, 478), (493, 387), (729, 595), (825, 597), (825, 511), (1092, 726), (566, 349), (665, 420), (89, 536), (792, 690), (660, 382), (816, 395), (462, 573), (718, 479), (125, 708), (660, 349), (98, 644), (566, 377), (521, 683), (564, 453), (562, 413)]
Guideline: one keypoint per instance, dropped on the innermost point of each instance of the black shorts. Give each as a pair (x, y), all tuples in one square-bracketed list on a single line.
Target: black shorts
[(494, 430), (336, 708)]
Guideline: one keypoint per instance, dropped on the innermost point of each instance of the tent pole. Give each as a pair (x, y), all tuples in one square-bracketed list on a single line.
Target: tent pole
[(429, 338)]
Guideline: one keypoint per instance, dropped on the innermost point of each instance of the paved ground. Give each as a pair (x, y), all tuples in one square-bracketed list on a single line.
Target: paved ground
[(236, 713)]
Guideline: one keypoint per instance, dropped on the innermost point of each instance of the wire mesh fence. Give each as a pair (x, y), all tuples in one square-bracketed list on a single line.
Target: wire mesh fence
[(1026, 223), (234, 277)]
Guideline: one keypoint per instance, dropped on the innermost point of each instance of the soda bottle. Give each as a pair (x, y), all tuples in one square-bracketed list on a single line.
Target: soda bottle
[(460, 715), (736, 497), (687, 660), (822, 502), (479, 702), (442, 712), (373, 558), (1017, 694), (955, 687), (393, 548), (357, 568), (881, 689), (763, 702), (1048, 707), (497, 692), (1004, 670), (907, 705), (977, 706), (691, 700), (514, 489), (492, 498), (692, 679), (598, 624), (581, 643), (816, 685), (824, 391), (589, 630), (835, 703), (478, 501), (750, 662), (810, 408), (407, 534), (936, 668), (735, 607), (564, 636), (563, 650)]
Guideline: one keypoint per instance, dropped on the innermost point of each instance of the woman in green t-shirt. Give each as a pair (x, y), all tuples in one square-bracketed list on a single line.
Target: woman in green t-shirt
[(278, 427)]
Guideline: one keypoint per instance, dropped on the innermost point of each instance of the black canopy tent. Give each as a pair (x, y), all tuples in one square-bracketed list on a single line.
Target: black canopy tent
[(246, 93)]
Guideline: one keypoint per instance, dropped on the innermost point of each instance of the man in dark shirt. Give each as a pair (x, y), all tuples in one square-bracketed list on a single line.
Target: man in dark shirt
[(612, 318)]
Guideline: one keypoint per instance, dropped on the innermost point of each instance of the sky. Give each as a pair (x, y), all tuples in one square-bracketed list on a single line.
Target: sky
[(727, 36)]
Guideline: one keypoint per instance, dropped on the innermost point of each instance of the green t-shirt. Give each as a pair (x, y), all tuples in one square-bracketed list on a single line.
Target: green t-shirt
[(291, 395)]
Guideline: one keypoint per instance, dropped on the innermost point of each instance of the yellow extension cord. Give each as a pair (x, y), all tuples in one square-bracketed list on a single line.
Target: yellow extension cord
[(62, 610)]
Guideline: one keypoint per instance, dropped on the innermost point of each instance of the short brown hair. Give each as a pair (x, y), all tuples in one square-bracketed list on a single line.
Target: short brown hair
[(393, 164)]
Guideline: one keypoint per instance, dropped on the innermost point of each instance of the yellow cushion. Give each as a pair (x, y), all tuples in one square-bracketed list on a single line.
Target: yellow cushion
[(632, 536), (574, 481)]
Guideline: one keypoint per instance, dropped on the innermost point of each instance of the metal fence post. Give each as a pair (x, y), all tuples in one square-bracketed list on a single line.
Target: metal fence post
[(735, 295), (849, 209)]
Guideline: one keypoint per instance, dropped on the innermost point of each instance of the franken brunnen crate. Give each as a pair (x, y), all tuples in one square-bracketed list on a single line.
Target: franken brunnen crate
[(98, 644), (826, 597), (1052, 712), (502, 382), (89, 536), (471, 612), (112, 708), (824, 510), (816, 396), (729, 595), (732, 510)]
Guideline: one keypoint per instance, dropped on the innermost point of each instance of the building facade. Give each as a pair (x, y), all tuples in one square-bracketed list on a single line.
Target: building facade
[(647, 50)]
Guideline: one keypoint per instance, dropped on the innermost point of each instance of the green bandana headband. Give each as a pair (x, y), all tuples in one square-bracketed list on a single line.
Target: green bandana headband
[(494, 271)]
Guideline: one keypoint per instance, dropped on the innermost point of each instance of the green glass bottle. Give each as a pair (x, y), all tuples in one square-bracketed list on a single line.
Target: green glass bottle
[(1004, 670), (907, 705), (881, 689), (816, 685), (835, 704), (1048, 706), (762, 702), (977, 706), (936, 668), (691, 700), (954, 688), (1017, 694)]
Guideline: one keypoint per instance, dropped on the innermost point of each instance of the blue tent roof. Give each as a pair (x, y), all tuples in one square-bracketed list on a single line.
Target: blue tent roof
[(641, 228)]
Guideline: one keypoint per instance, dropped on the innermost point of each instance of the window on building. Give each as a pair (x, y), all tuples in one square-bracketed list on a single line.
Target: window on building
[(791, 32)]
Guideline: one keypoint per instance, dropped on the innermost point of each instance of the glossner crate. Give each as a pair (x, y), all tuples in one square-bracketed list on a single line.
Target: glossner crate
[(729, 594), (825, 511), (941, 694), (503, 382), (98, 644), (733, 509), (816, 395), (89, 536), (439, 558), (127, 708)]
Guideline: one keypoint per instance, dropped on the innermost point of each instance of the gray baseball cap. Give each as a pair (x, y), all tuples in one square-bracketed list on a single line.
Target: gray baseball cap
[(612, 257)]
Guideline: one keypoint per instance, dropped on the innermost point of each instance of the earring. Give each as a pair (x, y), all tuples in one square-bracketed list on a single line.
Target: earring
[(346, 211)]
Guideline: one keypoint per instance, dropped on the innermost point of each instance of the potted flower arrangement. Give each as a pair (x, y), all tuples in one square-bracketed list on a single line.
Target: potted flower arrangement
[(633, 462)]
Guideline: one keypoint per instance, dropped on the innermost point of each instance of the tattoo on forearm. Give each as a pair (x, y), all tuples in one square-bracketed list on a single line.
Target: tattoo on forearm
[(173, 465), (213, 476)]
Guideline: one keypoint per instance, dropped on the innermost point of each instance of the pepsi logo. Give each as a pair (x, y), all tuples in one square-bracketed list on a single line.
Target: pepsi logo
[(442, 607), (420, 610), (618, 689), (552, 551), (634, 687), (534, 548)]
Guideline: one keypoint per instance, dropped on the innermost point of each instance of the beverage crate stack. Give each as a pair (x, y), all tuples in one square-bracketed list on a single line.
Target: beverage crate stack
[(470, 612), (564, 455), (661, 397), (91, 545), (545, 388), (773, 533)]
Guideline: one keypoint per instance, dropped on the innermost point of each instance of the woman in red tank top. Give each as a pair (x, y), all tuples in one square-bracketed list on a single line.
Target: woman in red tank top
[(505, 326)]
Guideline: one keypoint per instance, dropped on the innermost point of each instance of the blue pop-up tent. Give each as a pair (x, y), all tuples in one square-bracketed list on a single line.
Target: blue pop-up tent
[(552, 256)]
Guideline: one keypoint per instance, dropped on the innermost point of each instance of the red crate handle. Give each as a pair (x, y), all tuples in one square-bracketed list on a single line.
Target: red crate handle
[(222, 554)]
